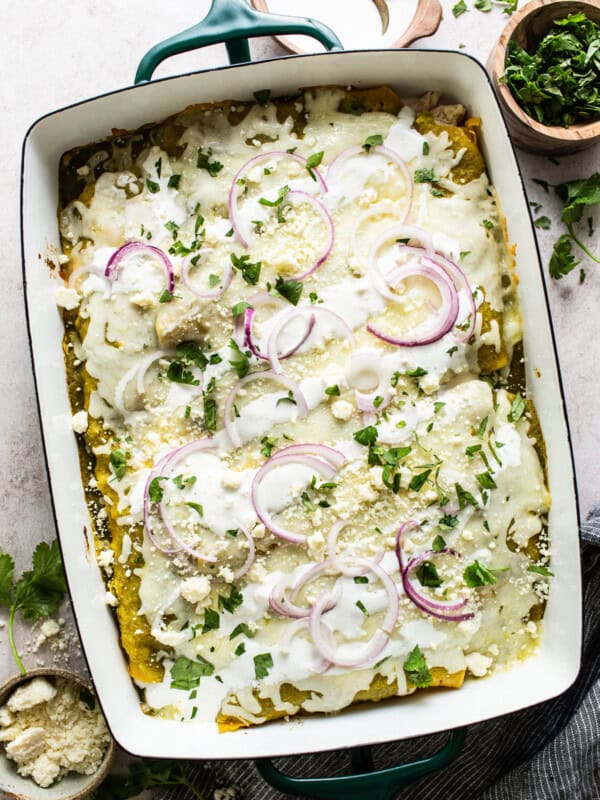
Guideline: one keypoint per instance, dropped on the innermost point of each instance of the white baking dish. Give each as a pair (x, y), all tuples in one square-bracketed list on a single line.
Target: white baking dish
[(410, 72)]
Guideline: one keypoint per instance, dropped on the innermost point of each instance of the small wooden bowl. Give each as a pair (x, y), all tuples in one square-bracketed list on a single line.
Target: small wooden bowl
[(527, 27), (72, 786)]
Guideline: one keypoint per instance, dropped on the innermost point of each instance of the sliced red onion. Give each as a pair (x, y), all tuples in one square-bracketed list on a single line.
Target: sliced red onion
[(211, 294), (272, 352), (342, 563), (249, 560), (292, 630), (167, 465), (243, 326), (446, 611), (334, 457), (288, 607), (462, 282), (370, 361), (269, 375), (376, 645), (333, 173), (384, 208), (326, 217), (89, 269), (138, 371), (114, 262), (253, 162), (437, 326), (320, 467)]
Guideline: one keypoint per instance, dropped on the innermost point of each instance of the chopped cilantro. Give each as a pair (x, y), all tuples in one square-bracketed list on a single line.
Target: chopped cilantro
[(438, 544), (313, 161), (240, 629), (203, 162), (428, 575), (197, 508), (118, 461), (477, 575), (155, 490), (541, 571), (416, 669), (333, 391), (290, 289), (517, 409), (372, 141), (459, 8), (211, 620), (418, 481), (262, 665), (424, 175), (232, 602), (153, 187), (250, 271), (174, 181), (366, 436), (240, 361), (448, 522), (464, 497), (186, 674)]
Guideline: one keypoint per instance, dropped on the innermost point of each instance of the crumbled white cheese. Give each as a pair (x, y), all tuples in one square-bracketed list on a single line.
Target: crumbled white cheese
[(79, 422), (52, 731), (478, 664), (106, 558), (342, 410), (195, 589), (226, 573), (66, 298), (125, 549), (110, 599), (31, 694)]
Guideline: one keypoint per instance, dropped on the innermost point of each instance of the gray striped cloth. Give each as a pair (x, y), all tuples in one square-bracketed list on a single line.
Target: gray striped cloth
[(548, 752)]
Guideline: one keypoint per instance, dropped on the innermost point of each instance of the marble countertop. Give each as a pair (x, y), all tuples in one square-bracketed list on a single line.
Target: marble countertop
[(58, 53)]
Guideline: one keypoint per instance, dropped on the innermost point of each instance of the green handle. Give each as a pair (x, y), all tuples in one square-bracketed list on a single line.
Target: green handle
[(366, 784), (232, 21)]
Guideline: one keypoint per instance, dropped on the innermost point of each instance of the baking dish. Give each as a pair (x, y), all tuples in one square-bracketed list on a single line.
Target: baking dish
[(411, 72)]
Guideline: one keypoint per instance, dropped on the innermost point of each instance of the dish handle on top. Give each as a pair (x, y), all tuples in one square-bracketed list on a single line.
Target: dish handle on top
[(231, 22)]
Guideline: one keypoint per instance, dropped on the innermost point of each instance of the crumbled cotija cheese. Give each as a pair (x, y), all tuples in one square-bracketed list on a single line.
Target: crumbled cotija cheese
[(48, 729)]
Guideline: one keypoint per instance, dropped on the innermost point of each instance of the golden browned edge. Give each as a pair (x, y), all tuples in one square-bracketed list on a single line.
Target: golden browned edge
[(136, 640)]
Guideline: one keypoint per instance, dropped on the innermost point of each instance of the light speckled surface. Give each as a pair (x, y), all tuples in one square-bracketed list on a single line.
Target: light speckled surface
[(58, 53)]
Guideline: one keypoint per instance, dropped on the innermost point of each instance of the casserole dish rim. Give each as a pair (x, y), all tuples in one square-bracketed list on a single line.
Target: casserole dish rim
[(400, 703)]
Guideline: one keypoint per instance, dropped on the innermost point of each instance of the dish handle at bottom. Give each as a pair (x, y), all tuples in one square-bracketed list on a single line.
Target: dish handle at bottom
[(365, 783)]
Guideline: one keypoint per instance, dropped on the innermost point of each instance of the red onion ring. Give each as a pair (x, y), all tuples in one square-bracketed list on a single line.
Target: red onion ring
[(379, 210), (442, 611), (288, 607), (378, 642), (321, 467), (369, 360), (272, 353), (167, 464), (388, 152), (91, 269), (249, 560), (326, 217), (138, 371), (337, 561), (244, 169), (441, 323), (462, 282), (269, 375), (243, 326), (334, 457), (212, 294), (114, 262)]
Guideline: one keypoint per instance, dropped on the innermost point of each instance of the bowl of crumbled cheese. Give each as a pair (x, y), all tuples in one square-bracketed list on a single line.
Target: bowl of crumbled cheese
[(54, 743)]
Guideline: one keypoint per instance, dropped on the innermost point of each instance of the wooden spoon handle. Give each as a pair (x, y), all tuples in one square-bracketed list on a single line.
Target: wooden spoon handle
[(426, 21)]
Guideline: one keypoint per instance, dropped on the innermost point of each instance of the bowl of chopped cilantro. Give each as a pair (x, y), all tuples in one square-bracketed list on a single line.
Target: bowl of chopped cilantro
[(546, 71)]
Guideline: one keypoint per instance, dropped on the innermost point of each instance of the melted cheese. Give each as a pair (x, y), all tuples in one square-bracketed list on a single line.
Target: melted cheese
[(457, 428)]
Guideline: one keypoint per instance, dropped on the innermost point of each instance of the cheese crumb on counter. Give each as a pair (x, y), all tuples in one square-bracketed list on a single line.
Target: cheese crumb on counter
[(52, 727)]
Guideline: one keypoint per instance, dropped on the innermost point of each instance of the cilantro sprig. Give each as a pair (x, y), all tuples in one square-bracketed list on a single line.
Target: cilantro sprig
[(143, 775), (37, 593)]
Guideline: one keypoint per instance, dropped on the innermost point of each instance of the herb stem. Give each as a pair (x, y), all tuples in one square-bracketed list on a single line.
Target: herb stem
[(11, 640), (581, 244), (189, 785)]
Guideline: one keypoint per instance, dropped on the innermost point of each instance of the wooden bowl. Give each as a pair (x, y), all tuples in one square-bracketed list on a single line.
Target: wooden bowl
[(72, 786), (527, 27)]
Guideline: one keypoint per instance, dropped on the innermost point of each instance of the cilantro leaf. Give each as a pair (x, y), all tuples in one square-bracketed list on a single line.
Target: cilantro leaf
[(541, 571), (186, 674), (118, 461), (372, 141), (416, 669), (240, 361), (289, 289), (313, 161), (250, 271), (459, 8), (428, 575), (562, 260), (155, 490), (366, 436), (476, 575), (203, 162), (262, 665), (7, 575), (517, 409), (424, 175)]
